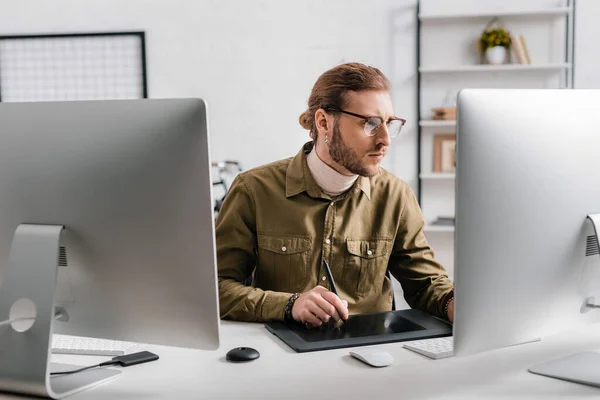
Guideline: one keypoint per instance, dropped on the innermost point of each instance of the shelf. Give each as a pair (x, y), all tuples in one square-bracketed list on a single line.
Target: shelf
[(437, 124), (542, 12), (438, 228), (438, 175), (496, 68)]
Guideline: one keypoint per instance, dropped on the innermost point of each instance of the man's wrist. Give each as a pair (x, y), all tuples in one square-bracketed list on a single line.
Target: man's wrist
[(287, 313), (447, 305)]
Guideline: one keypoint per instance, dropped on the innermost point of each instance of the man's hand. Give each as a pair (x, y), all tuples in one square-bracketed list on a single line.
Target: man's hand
[(451, 311), (319, 305)]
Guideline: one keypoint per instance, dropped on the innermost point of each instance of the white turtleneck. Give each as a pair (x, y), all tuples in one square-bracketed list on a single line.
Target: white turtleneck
[(331, 182)]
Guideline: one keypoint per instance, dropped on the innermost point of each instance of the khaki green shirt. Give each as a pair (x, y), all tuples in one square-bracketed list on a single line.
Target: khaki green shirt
[(277, 225)]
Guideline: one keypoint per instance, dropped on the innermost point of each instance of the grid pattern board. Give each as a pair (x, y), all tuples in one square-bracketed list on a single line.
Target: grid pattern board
[(72, 67)]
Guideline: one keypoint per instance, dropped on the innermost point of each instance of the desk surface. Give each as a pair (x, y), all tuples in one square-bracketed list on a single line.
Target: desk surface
[(280, 373)]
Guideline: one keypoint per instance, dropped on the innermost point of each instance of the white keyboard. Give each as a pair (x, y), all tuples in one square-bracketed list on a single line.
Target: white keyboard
[(435, 348), (65, 344)]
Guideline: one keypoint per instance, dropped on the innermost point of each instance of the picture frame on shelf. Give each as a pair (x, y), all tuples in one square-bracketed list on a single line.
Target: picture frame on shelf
[(444, 152)]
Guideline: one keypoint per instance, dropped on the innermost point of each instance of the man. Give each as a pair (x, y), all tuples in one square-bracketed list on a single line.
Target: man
[(331, 202)]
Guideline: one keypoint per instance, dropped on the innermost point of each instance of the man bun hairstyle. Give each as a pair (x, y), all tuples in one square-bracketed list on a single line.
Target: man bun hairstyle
[(331, 87)]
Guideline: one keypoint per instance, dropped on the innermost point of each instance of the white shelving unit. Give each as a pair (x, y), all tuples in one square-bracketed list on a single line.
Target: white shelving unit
[(540, 12), (437, 124), (496, 68), (438, 175), (438, 228), (448, 61)]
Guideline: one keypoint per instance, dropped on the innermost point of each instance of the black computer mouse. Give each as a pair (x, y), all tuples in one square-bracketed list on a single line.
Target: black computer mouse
[(241, 354)]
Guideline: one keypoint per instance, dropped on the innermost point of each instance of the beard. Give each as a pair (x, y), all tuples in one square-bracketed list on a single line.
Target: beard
[(346, 157)]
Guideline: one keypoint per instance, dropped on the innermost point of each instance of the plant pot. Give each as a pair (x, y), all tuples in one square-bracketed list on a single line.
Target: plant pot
[(496, 55)]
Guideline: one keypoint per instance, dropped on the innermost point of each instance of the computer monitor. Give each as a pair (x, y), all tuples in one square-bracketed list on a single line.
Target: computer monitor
[(527, 177), (124, 186)]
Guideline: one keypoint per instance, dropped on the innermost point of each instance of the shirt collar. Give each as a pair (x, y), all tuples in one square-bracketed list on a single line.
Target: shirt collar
[(299, 179)]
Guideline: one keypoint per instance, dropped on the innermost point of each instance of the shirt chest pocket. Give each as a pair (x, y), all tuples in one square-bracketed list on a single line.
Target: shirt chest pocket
[(366, 263), (282, 263)]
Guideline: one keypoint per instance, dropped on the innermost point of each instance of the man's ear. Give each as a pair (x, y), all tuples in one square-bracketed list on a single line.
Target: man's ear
[(321, 121)]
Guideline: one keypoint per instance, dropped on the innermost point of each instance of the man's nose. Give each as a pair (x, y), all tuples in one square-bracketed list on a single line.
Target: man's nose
[(383, 135)]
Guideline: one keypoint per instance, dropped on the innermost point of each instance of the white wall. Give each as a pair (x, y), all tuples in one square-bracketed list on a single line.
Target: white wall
[(254, 61), (587, 56)]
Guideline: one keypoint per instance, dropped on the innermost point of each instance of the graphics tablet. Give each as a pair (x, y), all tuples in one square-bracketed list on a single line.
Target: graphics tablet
[(362, 330)]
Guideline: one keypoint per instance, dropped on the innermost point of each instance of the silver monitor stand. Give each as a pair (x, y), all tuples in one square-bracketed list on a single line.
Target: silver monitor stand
[(25, 355), (579, 367)]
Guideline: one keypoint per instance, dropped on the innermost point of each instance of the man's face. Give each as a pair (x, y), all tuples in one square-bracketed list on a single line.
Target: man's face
[(349, 146)]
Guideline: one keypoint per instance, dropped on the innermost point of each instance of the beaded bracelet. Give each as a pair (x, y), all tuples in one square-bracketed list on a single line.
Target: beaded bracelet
[(287, 313), (447, 305)]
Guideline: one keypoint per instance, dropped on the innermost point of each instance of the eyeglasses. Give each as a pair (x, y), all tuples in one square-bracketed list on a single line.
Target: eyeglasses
[(372, 123)]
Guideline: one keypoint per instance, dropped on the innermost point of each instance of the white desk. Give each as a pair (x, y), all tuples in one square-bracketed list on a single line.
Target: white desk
[(280, 373)]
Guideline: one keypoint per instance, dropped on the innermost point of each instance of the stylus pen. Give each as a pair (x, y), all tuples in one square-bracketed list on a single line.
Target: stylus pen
[(330, 278), (332, 285)]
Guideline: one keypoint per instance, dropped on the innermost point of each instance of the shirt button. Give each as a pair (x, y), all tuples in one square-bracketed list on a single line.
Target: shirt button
[(324, 278), (327, 241), (369, 252), (283, 248)]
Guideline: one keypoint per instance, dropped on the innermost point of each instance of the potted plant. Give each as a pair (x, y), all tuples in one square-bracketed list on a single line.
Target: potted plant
[(494, 43)]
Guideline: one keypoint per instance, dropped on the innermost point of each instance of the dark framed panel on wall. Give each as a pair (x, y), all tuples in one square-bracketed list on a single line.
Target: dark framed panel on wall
[(79, 66)]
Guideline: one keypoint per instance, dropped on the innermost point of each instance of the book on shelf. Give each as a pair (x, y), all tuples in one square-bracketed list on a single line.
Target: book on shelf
[(520, 49), (524, 46), (444, 113)]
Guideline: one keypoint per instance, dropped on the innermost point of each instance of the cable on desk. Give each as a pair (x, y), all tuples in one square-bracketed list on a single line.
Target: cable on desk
[(59, 314), (10, 321), (74, 371), (124, 361)]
